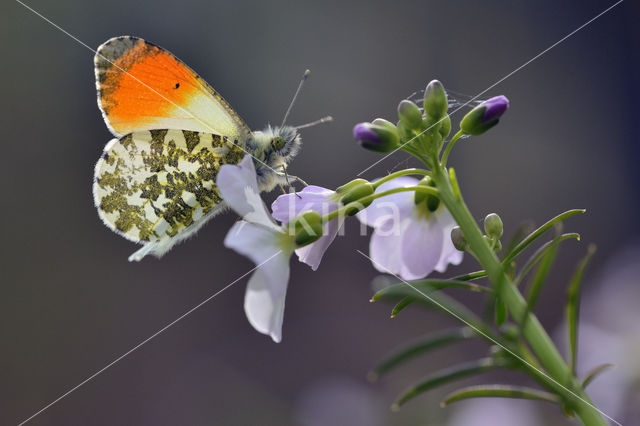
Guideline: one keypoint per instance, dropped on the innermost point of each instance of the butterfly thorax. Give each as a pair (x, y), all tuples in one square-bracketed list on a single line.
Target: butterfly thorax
[(273, 149)]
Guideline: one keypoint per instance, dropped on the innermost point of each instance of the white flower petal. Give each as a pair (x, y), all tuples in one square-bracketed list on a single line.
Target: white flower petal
[(257, 242), (239, 189), (449, 253), (385, 248), (422, 242), (265, 296), (288, 206), (316, 198), (312, 254), (395, 206)]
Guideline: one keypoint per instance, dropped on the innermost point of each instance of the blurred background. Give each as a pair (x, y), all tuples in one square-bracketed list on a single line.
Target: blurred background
[(70, 303)]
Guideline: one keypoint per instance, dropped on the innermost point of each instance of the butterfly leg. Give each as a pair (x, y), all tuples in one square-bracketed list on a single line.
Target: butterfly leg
[(294, 178)]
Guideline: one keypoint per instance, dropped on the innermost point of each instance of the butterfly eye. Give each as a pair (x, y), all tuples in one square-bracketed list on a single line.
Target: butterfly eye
[(277, 143)]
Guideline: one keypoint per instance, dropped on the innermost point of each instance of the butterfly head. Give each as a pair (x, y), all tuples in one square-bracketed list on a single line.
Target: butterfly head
[(273, 149)]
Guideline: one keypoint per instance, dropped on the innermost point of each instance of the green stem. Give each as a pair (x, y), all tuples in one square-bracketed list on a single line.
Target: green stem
[(398, 174), (447, 150), (364, 201), (534, 333)]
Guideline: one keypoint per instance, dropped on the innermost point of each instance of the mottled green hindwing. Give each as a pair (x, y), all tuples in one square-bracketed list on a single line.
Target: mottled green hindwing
[(158, 186)]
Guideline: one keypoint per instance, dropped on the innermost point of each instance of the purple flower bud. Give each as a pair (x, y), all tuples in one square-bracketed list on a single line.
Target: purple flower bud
[(379, 137), (484, 116), (362, 132), (496, 106)]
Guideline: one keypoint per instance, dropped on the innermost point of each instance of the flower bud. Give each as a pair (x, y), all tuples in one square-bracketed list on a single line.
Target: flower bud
[(493, 226), (409, 114), (354, 191), (458, 240), (484, 116), (306, 227), (376, 137), (357, 192), (431, 200), (445, 127), (435, 100), (385, 123), (349, 185)]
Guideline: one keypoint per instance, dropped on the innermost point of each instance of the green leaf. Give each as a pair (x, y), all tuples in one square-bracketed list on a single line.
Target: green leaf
[(541, 253), (418, 347), (408, 300), (447, 375), (538, 281), (540, 277), (401, 305), (417, 288), (594, 373), (573, 306), (452, 307), (470, 276), (500, 391), (537, 233)]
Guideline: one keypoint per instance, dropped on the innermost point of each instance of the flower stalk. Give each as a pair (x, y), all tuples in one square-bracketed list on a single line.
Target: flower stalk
[(365, 201), (533, 331)]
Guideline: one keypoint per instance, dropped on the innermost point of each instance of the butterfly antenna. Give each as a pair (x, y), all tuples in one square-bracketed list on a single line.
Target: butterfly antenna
[(326, 119), (295, 96)]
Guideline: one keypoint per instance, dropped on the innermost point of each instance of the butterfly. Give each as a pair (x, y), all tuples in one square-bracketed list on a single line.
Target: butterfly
[(155, 183)]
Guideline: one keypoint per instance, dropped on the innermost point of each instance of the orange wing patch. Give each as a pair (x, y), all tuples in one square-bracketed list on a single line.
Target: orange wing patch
[(142, 87)]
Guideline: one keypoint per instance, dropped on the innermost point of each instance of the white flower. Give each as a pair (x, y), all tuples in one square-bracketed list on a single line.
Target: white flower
[(256, 236), (408, 239), (316, 198)]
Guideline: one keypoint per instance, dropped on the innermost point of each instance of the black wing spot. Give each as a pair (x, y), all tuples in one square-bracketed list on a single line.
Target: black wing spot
[(176, 86)]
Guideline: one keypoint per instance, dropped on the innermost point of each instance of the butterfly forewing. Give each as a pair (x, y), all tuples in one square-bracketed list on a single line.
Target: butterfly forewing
[(143, 87), (159, 185)]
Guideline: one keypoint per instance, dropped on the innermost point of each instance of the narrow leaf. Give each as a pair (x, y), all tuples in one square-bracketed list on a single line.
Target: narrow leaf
[(573, 306), (538, 281), (499, 391), (420, 346), (540, 277), (447, 375), (470, 276), (401, 305), (417, 288), (594, 373), (452, 307), (537, 233), (541, 253)]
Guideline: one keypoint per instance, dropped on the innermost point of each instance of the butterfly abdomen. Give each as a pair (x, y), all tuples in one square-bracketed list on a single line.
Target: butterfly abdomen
[(157, 183)]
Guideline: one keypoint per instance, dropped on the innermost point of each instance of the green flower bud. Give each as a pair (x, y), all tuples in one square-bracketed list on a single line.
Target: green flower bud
[(349, 185), (354, 191), (431, 200), (493, 226), (484, 116), (384, 123), (459, 242), (435, 100), (306, 227), (409, 114), (357, 192), (445, 127)]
